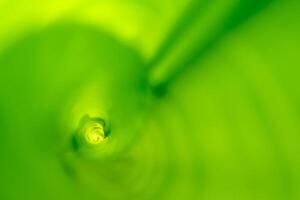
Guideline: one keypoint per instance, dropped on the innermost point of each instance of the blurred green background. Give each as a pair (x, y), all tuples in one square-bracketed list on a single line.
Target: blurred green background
[(200, 99)]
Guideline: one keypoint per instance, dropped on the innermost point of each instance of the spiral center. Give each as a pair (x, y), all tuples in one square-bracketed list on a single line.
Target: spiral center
[(94, 133)]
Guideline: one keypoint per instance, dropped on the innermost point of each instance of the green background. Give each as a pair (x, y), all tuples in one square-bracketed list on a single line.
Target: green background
[(201, 97)]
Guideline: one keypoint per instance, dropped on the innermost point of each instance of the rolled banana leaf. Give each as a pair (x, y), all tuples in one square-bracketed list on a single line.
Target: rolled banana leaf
[(148, 99)]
